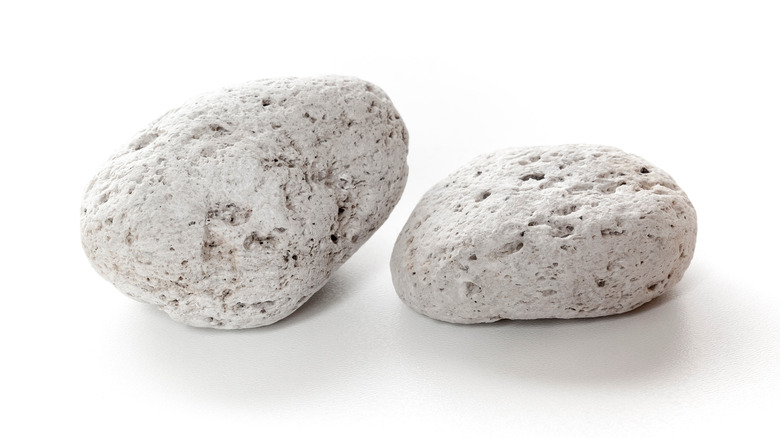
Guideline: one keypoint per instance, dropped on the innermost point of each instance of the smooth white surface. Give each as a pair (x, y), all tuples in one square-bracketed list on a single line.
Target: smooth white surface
[(692, 87)]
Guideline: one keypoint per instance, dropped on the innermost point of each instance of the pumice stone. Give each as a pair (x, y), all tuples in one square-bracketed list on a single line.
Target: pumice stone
[(569, 231), (233, 209)]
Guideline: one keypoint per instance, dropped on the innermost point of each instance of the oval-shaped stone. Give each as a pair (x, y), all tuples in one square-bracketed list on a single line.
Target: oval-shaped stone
[(546, 232), (232, 210)]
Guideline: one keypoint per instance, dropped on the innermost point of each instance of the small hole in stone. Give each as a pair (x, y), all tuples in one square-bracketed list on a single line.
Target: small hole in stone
[(510, 248), (266, 101), (334, 238), (535, 176), (473, 257), (601, 283), (644, 170)]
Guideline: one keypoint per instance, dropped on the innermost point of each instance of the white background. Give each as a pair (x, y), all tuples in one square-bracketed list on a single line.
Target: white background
[(694, 87)]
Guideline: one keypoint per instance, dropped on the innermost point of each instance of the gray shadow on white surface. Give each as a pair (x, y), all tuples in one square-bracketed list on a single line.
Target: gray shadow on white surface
[(337, 344), (644, 344), (272, 366)]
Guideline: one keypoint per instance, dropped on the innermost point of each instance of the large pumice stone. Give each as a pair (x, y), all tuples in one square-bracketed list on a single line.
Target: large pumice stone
[(569, 231), (232, 210)]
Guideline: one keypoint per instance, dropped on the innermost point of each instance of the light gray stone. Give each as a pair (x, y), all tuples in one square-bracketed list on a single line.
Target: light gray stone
[(545, 232), (232, 210)]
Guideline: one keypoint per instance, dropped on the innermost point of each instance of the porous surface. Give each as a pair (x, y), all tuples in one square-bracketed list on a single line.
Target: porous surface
[(546, 232), (232, 210)]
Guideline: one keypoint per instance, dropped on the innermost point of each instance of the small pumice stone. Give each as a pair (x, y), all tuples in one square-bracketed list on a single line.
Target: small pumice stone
[(569, 231), (233, 209)]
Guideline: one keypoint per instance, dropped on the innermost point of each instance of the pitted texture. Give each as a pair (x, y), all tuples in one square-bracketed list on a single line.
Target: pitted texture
[(547, 232), (232, 210)]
